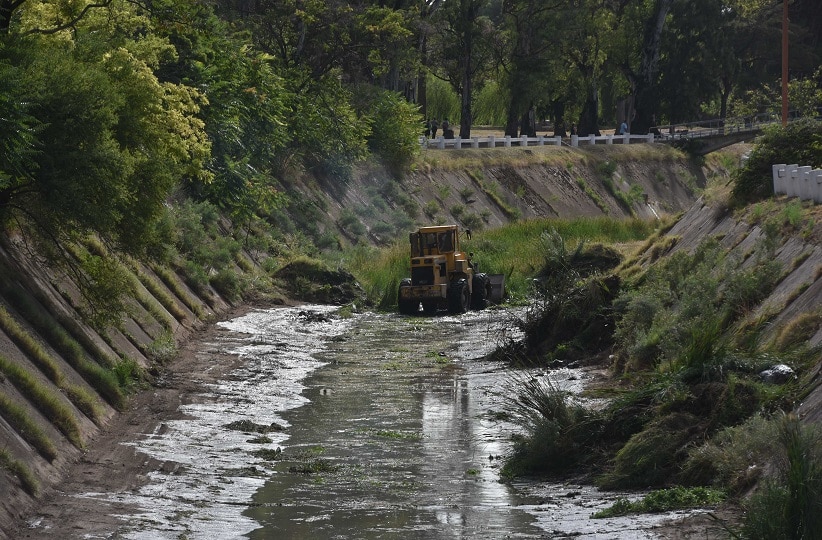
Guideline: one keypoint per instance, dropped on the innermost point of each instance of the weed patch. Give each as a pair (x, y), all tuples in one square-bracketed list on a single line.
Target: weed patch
[(664, 500)]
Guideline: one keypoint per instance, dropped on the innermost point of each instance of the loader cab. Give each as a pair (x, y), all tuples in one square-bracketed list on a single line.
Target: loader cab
[(430, 241)]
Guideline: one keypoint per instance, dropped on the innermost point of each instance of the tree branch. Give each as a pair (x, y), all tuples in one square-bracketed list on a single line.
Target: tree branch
[(69, 24)]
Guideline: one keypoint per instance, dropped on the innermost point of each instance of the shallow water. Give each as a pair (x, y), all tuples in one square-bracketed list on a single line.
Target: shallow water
[(387, 427)]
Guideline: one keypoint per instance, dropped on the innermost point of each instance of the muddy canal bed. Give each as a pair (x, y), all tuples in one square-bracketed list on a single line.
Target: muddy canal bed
[(374, 426)]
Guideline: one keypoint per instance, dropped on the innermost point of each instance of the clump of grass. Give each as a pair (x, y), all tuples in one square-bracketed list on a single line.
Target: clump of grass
[(45, 400), (173, 283), (316, 466), (431, 209), (560, 434), (650, 457), (664, 500), (18, 469), (129, 373), (593, 195), (789, 503), (159, 293), (380, 271), (163, 349), (21, 422), (268, 454)]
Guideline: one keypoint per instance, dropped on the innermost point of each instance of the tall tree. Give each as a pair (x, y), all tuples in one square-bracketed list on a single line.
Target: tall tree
[(640, 62), (531, 39), (463, 51)]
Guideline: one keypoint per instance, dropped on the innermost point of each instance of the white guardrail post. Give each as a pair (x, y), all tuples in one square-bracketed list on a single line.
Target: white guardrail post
[(791, 179), (794, 181), (574, 140), (804, 186), (779, 179)]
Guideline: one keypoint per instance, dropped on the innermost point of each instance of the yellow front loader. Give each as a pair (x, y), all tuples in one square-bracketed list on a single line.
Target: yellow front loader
[(443, 276)]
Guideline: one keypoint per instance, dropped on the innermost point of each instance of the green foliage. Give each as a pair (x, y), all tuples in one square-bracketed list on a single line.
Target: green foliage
[(163, 349), (107, 287), (685, 303), (650, 457), (351, 224), (664, 500), (110, 124), (228, 284), (734, 457), (443, 103), (489, 107), (380, 271), (129, 374), (395, 127), (800, 142), (788, 504), (325, 128), (560, 432)]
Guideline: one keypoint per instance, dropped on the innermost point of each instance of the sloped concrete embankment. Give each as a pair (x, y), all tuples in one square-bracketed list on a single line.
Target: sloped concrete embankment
[(57, 382), (797, 297)]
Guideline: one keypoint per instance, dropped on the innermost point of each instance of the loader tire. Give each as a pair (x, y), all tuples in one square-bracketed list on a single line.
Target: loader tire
[(479, 295), (405, 306), (458, 297)]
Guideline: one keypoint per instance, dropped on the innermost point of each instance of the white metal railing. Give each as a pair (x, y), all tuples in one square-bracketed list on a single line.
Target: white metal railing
[(493, 141), (795, 181)]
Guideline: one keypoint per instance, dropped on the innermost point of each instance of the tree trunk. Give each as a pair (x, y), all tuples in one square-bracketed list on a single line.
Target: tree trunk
[(466, 118), (645, 99), (558, 117)]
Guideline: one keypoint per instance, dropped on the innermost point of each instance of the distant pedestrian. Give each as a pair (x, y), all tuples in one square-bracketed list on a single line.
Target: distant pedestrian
[(623, 129), (434, 126), (573, 129), (427, 128)]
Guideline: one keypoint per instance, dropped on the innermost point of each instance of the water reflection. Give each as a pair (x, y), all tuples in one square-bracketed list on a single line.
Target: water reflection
[(407, 432)]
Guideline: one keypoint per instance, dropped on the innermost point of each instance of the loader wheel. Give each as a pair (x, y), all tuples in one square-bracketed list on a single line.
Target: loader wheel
[(479, 296), (458, 297), (406, 306), (430, 307)]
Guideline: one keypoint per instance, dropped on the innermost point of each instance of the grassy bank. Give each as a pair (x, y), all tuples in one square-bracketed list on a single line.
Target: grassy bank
[(518, 250)]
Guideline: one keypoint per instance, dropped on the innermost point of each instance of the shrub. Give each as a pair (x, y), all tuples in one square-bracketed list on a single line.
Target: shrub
[(228, 284), (350, 224), (129, 373), (789, 503), (558, 432), (163, 349), (396, 125), (799, 142)]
